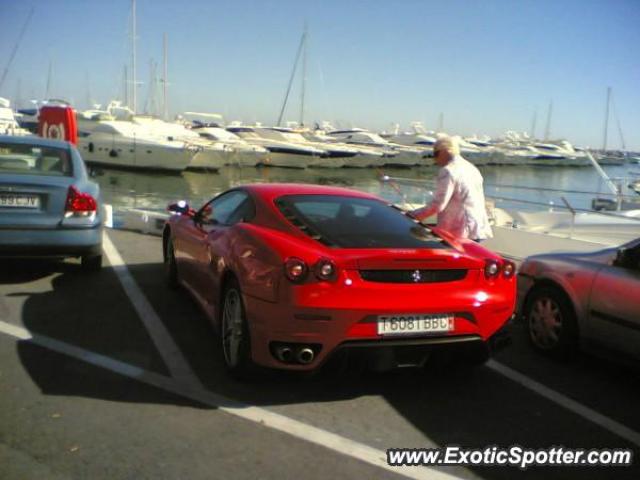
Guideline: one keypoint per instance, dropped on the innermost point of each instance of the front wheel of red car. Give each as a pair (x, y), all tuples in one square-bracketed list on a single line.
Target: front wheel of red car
[(551, 322), (234, 333)]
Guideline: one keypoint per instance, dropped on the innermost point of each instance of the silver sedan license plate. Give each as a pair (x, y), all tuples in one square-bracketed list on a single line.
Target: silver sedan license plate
[(19, 201), (411, 324)]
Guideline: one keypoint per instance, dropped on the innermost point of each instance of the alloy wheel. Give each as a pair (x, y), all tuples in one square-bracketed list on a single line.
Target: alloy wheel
[(232, 328)]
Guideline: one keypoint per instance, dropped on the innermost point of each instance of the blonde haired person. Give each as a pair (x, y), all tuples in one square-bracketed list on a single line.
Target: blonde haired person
[(459, 197)]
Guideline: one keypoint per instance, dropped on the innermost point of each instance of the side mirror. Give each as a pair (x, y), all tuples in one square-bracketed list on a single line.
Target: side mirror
[(620, 257), (180, 208), (95, 172), (627, 258)]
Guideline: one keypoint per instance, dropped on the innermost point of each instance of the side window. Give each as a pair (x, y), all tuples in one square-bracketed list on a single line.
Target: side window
[(219, 210), (244, 213)]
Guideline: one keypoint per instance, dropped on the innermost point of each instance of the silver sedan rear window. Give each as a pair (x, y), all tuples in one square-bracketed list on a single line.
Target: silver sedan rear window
[(34, 160)]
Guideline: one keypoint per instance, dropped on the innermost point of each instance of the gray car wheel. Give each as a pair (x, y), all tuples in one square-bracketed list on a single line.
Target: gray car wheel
[(91, 263), (551, 321)]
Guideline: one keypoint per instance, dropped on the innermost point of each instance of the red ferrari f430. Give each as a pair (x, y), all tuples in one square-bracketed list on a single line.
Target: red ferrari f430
[(293, 275)]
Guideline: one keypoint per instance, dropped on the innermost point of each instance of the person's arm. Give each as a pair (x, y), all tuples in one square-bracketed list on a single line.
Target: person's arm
[(444, 191)]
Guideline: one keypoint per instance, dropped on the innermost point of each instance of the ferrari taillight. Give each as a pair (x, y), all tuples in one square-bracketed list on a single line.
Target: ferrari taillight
[(295, 269), (508, 269), (79, 204), (325, 269), (491, 269)]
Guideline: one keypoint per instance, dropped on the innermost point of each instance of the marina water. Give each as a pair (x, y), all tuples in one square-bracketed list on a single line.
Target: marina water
[(154, 190)]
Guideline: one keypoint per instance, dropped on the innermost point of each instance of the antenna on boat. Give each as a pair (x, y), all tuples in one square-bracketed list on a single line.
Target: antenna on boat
[(15, 48), (606, 120), (304, 75), (165, 105), (615, 115)]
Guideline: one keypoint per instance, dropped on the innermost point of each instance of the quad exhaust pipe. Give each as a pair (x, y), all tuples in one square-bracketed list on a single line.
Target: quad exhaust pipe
[(284, 353), (305, 355), (294, 353)]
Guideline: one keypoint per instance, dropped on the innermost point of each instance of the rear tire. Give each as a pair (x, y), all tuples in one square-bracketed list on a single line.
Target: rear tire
[(170, 266), (235, 338), (91, 263), (551, 322)]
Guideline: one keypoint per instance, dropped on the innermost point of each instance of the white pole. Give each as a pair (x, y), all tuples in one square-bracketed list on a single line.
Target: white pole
[(165, 107), (134, 98)]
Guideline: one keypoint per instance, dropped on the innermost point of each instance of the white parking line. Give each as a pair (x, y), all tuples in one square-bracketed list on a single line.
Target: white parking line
[(261, 416), (566, 402), (169, 351)]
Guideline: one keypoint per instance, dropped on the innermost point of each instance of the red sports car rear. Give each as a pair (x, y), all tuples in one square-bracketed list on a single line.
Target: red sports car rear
[(293, 275)]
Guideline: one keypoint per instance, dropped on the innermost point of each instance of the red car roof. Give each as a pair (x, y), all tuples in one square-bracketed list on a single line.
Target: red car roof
[(269, 191)]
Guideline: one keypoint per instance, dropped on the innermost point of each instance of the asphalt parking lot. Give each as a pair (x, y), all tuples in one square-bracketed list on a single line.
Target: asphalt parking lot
[(112, 375)]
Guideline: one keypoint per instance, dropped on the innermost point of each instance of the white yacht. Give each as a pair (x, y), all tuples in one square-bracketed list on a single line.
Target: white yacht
[(424, 140), (560, 152), (243, 153), (396, 155), (124, 144), (281, 153), (8, 123), (336, 154), (209, 154), (365, 156)]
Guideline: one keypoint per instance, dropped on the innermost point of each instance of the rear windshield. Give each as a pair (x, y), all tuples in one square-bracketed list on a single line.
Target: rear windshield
[(350, 222), (34, 160)]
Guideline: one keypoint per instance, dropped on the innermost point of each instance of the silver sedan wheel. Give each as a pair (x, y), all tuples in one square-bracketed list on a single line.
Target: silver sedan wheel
[(232, 328), (545, 322)]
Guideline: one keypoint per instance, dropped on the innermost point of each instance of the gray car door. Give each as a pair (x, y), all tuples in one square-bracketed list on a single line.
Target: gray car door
[(614, 310)]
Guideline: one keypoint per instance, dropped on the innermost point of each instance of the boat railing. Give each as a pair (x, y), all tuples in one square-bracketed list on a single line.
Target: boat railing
[(553, 207)]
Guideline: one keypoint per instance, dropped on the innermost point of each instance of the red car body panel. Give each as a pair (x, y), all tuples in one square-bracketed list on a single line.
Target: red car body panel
[(329, 313)]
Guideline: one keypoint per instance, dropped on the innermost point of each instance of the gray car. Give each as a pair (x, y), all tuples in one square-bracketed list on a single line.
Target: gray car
[(48, 205), (587, 300)]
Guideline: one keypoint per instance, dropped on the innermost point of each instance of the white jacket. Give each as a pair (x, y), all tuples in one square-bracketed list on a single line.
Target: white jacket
[(459, 201)]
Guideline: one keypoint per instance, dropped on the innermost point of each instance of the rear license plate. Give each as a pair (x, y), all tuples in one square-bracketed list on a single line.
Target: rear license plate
[(410, 324), (19, 201)]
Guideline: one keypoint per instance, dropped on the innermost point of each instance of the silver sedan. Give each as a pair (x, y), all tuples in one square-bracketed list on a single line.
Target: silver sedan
[(48, 205), (587, 300)]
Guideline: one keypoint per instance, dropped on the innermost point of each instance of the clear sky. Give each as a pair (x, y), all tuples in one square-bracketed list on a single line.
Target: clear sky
[(486, 65)]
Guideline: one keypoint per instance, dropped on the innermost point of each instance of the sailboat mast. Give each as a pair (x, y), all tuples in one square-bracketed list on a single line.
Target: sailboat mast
[(134, 98), (533, 124), (125, 79), (304, 75), (165, 110), (606, 120), (15, 48), (293, 73), (47, 93), (547, 130)]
